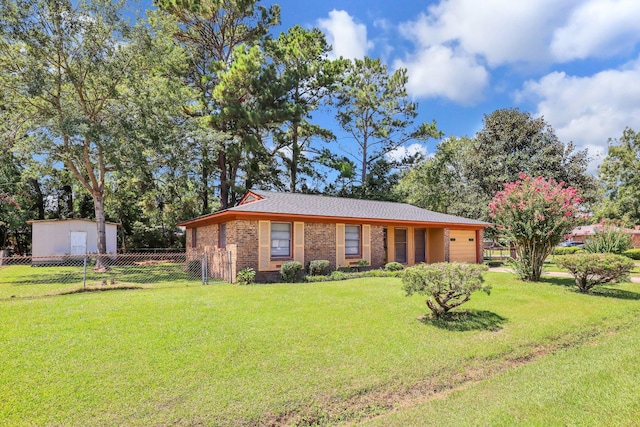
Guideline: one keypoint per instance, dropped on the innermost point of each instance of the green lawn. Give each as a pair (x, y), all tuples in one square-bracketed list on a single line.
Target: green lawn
[(20, 281), (592, 385), (283, 354)]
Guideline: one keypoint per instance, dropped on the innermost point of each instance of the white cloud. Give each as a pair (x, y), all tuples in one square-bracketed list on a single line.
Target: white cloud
[(599, 28), (410, 150), (501, 31), (348, 38), (588, 110), (439, 71)]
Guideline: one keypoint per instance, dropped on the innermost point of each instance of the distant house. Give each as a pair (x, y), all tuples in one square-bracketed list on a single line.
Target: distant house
[(580, 234), (269, 228), (53, 239)]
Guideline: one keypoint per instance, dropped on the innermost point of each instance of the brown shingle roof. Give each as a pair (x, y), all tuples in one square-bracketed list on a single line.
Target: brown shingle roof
[(315, 205)]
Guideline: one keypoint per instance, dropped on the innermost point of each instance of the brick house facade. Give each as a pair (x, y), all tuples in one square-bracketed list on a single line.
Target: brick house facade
[(267, 229)]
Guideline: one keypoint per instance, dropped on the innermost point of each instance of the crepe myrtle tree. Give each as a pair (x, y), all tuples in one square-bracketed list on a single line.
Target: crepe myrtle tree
[(535, 214)]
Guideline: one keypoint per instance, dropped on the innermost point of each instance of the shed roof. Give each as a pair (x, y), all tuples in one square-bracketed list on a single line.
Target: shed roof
[(308, 205), (34, 221)]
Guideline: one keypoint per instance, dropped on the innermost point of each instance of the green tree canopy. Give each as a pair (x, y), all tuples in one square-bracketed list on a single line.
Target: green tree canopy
[(374, 108), (83, 83), (620, 176)]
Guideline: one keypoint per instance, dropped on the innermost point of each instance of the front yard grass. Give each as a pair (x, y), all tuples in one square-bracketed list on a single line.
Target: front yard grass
[(594, 384), (25, 281), (283, 354)]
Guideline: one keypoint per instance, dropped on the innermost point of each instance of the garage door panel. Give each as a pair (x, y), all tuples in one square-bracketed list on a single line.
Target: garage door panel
[(462, 246)]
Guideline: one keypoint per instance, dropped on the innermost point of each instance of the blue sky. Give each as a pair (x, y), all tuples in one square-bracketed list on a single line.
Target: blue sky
[(575, 62)]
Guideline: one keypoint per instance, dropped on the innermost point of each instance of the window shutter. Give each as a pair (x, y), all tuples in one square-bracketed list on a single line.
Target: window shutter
[(298, 242), (366, 243), (264, 245), (340, 255)]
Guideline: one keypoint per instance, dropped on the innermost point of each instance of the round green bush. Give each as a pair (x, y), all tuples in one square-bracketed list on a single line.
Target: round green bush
[(393, 266), (290, 271), (632, 253), (318, 267), (567, 250)]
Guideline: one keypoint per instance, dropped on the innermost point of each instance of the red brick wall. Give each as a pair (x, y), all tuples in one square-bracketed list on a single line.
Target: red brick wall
[(206, 236), (245, 235), (320, 242), (377, 246)]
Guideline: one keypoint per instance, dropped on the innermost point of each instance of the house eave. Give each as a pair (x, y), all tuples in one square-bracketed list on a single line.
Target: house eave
[(228, 215)]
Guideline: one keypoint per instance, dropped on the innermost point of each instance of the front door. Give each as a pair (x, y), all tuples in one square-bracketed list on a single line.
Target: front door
[(420, 239), (78, 242)]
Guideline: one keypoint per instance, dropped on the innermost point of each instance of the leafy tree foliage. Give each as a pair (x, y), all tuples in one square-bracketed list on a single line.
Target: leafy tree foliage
[(81, 82), (590, 269), (374, 108), (535, 214), (307, 78), (441, 184), (620, 175), (223, 38), (464, 174), (447, 285)]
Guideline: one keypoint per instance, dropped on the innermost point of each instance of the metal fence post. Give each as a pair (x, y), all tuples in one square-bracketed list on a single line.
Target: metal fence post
[(84, 273), (204, 269)]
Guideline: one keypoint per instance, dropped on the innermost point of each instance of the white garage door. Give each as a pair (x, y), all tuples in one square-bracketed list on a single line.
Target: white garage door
[(462, 246)]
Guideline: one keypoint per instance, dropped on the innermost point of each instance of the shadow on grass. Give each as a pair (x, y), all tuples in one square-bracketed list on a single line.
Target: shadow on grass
[(567, 282), (92, 289), (600, 291), (615, 293), (468, 320)]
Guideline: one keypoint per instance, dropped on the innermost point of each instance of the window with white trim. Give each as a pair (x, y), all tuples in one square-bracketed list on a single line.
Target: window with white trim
[(352, 245), (280, 239)]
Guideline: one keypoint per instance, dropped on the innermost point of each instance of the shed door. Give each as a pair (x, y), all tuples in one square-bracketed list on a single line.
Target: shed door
[(462, 246), (78, 242)]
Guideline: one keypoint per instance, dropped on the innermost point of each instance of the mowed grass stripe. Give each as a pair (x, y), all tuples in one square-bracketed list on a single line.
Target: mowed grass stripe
[(229, 355), (595, 384)]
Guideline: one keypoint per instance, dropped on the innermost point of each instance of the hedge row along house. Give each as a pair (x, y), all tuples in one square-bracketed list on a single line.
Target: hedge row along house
[(267, 228)]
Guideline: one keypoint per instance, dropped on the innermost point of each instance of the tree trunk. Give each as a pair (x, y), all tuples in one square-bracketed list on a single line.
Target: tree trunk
[(101, 243), (205, 182), (224, 185), (295, 154)]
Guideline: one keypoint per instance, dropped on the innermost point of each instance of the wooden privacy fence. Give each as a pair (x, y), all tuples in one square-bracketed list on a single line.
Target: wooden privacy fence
[(220, 263)]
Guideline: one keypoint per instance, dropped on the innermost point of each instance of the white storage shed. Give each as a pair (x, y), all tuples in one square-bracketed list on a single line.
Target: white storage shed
[(52, 239)]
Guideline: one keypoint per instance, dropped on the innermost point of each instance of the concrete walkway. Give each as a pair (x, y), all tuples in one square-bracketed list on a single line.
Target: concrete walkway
[(634, 279)]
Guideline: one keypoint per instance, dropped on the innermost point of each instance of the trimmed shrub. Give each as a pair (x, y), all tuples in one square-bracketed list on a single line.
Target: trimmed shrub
[(568, 250), (318, 267), (632, 253), (246, 276), (393, 266), (314, 279), (290, 271), (362, 263), (589, 270), (338, 275), (447, 284)]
